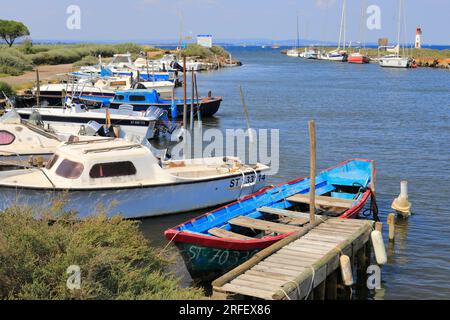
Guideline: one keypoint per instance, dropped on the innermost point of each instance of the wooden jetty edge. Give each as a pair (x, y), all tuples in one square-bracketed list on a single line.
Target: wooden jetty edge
[(304, 263)]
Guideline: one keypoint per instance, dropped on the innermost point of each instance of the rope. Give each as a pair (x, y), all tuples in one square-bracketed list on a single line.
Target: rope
[(312, 282), (168, 244)]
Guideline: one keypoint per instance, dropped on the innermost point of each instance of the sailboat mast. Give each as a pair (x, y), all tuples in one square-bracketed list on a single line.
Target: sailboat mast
[(399, 25), (345, 24), (298, 44), (342, 21)]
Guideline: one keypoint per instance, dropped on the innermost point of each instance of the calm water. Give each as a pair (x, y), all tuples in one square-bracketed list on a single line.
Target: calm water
[(399, 118)]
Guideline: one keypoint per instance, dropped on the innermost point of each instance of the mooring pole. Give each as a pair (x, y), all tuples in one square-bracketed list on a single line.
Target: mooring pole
[(184, 108), (312, 171), (38, 89)]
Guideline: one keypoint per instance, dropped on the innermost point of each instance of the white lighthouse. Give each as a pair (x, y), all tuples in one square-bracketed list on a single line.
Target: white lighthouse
[(418, 44)]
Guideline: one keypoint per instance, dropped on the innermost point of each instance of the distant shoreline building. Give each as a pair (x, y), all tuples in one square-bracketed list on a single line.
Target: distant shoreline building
[(204, 40), (418, 43)]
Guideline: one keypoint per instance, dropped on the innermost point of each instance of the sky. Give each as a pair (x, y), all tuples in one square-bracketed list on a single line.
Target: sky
[(153, 20)]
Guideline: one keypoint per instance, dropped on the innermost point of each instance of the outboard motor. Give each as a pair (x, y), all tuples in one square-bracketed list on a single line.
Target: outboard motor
[(36, 118), (175, 65)]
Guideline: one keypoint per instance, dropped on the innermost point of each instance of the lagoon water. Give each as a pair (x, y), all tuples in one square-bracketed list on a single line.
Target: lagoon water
[(399, 118)]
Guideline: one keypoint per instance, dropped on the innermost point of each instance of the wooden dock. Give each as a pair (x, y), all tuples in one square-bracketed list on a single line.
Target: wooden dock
[(304, 265)]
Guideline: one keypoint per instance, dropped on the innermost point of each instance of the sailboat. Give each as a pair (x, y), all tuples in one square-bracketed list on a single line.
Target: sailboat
[(294, 52), (395, 60), (338, 55)]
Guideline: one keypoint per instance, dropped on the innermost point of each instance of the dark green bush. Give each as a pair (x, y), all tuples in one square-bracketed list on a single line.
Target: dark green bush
[(5, 88), (115, 259)]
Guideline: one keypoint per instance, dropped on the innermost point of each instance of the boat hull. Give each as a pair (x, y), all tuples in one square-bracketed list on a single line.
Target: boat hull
[(139, 201), (394, 62), (357, 59), (208, 106)]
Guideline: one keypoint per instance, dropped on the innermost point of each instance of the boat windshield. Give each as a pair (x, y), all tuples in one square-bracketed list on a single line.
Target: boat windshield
[(70, 169)]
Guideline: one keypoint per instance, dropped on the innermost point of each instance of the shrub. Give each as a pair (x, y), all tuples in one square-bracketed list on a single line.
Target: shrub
[(5, 88), (115, 259), (86, 61), (14, 62)]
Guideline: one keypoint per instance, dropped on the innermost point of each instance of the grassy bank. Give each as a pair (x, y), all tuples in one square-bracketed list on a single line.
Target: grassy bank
[(115, 259), (18, 59)]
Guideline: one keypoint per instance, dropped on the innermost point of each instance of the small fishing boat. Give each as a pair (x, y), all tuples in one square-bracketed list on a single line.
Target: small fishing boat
[(114, 171), (220, 240), (142, 99), (335, 55)]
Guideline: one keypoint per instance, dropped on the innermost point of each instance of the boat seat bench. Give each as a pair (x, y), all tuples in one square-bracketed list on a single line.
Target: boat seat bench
[(301, 217), (222, 233), (323, 201), (263, 225)]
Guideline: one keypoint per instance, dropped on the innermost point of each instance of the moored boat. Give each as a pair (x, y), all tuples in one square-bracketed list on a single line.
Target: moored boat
[(220, 240), (357, 57), (142, 99), (115, 171)]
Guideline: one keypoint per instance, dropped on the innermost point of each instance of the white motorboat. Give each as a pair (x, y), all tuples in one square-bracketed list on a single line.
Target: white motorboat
[(293, 53), (114, 171), (337, 56), (76, 117)]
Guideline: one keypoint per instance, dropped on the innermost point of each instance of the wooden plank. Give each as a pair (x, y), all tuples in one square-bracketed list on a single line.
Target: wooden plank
[(246, 291), (222, 233), (300, 218), (255, 285), (322, 200), (285, 272), (272, 275), (277, 265), (304, 255), (259, 279), (263, 225), (342, 230), (288, 262), (325, 245), (299, 246)]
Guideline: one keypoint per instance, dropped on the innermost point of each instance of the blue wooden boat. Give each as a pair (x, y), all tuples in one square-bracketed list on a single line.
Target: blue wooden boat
[(142, 99), (220, 240)]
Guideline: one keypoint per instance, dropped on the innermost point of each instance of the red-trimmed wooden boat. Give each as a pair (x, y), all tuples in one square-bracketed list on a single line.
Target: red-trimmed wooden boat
[(220, 240)]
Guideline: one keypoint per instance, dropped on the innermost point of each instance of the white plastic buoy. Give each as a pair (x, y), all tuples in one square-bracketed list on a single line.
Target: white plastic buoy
[(346, 270), (378, 247), (401, 204)]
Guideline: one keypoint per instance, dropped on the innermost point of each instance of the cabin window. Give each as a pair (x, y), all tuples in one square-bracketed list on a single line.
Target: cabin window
[(51, 162), (112, 169), (137, 98), (6, 137), (118, 97), (70, 169)]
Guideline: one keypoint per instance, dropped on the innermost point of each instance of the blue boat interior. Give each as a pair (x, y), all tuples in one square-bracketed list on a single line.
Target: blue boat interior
[(338, 188)]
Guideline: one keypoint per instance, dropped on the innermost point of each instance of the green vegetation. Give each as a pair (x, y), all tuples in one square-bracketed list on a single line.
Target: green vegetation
[(115, 259), (10, 30), (15, 61), (86, 61), (6, 89), (195, 50)]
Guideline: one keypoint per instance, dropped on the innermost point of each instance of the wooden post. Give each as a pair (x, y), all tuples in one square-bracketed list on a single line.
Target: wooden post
[(38, 89), (331, 286), (319, 291), (191, 120), (184, 108), (373, 177), (391, 225), (312, 170), (379, 226)]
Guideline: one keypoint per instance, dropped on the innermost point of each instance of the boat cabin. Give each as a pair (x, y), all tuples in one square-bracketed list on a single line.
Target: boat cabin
[(104, 163)]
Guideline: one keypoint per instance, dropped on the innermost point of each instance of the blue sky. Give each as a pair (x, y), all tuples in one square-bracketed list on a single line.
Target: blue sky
[(225, 19)]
